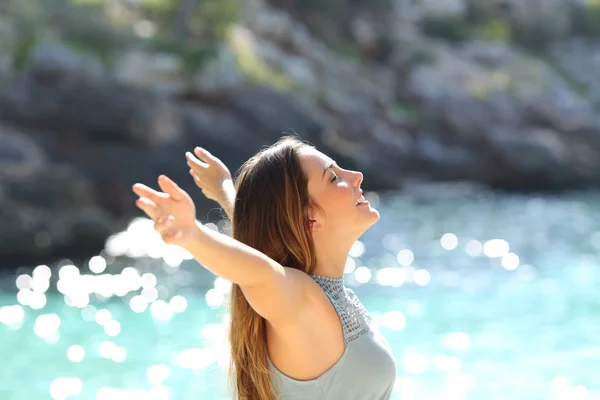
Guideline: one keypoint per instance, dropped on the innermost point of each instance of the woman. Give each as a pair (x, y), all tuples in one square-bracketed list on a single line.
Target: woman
[(296, 331)]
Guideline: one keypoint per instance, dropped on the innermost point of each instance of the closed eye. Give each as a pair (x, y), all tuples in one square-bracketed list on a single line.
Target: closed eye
[(334, 178)]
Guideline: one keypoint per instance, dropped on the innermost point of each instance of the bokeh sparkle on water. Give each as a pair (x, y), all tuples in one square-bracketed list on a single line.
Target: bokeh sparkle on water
[(485, 296)]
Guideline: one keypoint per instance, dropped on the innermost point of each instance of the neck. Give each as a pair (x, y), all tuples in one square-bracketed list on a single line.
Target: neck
[(331, 258)]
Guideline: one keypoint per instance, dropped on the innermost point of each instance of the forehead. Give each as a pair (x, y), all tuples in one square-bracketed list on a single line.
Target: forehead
[(313, 162)]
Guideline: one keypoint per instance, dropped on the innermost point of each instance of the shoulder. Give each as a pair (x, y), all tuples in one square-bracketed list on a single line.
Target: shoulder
[(297, 274), (301, 277), (314, 308), (312, 294)]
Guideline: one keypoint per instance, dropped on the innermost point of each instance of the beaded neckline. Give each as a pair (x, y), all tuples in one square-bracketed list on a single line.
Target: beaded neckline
[(329, 283), (355, 319)]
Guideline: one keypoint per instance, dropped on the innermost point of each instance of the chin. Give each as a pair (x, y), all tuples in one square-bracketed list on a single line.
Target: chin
[(375, 217), (372, 219), (373, 213)]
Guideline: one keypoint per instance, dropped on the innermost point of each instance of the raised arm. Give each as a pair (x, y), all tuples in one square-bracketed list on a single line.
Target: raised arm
[(212, 176), (228, 199), (275, 292)]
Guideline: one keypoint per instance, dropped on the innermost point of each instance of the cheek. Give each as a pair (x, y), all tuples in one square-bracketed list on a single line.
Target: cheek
[(342, 200), (338, 203)]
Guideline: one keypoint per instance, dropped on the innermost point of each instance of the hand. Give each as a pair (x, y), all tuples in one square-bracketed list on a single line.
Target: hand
[(209, 173), (172, 210)]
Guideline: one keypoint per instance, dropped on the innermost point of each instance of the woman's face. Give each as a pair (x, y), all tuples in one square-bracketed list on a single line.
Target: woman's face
[(336, 191)]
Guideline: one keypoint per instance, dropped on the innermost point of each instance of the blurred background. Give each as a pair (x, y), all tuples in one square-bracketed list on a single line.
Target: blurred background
[(476, 124)]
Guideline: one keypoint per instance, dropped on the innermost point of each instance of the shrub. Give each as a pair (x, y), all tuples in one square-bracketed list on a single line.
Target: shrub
[(586, 19), (453, 29), (494, 30), (188, 28)]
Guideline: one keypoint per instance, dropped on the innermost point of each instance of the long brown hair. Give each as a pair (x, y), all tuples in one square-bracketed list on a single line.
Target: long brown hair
[(270, 215)]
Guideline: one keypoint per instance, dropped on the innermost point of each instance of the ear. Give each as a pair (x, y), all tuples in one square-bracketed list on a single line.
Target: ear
[(313, 220)]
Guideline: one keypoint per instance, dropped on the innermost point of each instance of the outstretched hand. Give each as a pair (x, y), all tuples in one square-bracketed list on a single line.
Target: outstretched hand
[(172, 210), (210, 174)]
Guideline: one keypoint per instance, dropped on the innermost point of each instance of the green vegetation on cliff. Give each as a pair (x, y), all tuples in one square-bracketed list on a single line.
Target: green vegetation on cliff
[(191, 29)]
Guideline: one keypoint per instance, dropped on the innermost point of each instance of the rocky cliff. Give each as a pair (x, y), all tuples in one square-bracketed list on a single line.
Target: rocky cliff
[(503, 93)]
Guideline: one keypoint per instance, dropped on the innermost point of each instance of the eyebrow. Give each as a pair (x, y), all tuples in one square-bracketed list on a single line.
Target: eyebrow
[(325, 170)]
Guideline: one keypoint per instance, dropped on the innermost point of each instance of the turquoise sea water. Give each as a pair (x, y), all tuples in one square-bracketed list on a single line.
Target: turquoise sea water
[(481, 296)]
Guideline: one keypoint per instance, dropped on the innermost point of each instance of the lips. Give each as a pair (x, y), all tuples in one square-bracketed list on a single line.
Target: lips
[(360, 200)]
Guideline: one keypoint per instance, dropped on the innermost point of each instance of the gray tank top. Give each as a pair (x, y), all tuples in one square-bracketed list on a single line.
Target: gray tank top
[(366, 370)]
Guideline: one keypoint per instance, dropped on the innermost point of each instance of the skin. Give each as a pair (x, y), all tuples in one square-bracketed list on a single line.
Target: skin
[(334, 231), (341, 223), (304, 333), (213, 178), (311, 345)]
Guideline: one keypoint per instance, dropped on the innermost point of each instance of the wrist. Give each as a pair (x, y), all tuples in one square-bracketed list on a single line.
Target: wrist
[(195, 236), (227, 186), (227, 193)]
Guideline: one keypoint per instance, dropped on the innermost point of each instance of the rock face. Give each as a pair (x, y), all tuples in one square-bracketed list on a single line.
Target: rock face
[(482, 111), (71, 148), (520, 122), (73, 139)]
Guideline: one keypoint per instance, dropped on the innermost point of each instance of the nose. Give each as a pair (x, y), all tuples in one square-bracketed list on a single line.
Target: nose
[(358, 178)]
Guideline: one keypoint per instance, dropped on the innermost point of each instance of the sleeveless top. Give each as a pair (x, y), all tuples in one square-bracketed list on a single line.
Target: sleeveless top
[(366, 370)]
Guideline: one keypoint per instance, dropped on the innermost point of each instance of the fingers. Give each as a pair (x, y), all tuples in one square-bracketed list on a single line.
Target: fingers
[(164, 226), (196, 177), (158, 204), (144, 191), (193, 162), (170, 188), (204, 154), (149, 207), (197, 168), (168, 232)]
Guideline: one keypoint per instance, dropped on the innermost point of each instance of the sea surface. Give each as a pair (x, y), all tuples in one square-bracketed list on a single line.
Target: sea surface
[(481, 295)]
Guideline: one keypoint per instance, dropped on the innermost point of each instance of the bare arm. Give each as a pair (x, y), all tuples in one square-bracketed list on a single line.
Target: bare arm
[(212, 176), (227, 200), (275, 292)]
